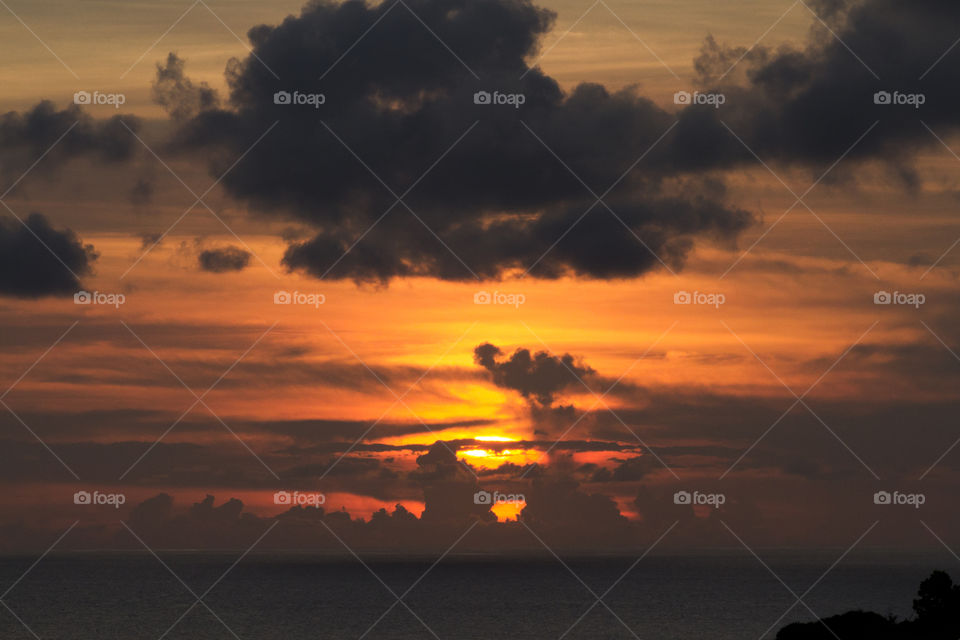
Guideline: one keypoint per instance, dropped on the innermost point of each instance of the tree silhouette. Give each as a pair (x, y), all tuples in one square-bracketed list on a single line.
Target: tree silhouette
[(937, 609)]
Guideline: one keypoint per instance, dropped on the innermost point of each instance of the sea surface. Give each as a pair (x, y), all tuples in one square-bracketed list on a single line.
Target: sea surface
[(705, 596)]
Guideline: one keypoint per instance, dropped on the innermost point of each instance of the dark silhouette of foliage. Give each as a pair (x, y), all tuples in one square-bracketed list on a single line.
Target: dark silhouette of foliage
[(847, 626), (937, 617)]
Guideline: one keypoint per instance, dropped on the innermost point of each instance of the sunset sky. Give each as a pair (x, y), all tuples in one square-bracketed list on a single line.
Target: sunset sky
[(391, 211)]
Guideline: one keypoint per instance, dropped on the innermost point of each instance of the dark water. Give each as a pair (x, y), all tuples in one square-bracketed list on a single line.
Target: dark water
[(701, 597)]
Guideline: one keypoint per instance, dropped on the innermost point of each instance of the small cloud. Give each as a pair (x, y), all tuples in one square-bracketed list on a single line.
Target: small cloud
[(223, 260), (178, 94), (540, 376), (148, 240), (142, 192), (920, 260)]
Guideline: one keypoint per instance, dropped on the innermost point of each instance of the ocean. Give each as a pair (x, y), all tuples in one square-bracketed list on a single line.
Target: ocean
[(721, 596)]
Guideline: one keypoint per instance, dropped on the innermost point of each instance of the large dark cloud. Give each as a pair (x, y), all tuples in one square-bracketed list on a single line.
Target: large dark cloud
[(811, 104), (37, 260), (499, 200)]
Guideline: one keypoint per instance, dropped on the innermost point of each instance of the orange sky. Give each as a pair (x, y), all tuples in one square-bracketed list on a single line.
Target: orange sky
[(794, 302)]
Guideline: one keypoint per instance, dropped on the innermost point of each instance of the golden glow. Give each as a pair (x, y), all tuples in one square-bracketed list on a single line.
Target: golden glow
[(700, 351), (508, 510), (491, 458), (484, 402)]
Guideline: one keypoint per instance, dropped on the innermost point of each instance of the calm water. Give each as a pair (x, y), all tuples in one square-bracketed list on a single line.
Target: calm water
[(722, 597)]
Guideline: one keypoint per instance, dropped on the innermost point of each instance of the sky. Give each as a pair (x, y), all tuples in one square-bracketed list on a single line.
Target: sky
[(594, 259)]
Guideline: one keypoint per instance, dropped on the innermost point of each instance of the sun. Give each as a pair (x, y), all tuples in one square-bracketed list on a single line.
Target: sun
[(493, 457)]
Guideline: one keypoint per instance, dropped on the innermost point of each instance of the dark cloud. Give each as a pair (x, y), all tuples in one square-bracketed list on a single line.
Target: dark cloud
[(448, 489), (560, 511), (25, 137), (629, 470), (224, 259), (37, 260), (539, 377), (499, 200), (809, 105), (149, 239), (152, 512)]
